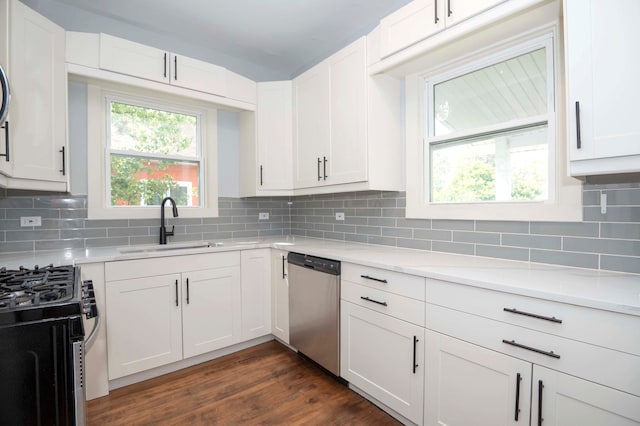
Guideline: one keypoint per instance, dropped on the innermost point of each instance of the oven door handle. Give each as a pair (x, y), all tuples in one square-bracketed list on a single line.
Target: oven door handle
[(94, 332)]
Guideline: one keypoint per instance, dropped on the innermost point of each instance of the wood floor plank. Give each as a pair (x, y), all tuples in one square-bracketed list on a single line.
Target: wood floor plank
[(267, 384)]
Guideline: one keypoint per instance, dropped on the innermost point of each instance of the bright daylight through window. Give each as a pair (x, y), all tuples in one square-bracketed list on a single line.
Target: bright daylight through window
[(153, 153), (487, 136)]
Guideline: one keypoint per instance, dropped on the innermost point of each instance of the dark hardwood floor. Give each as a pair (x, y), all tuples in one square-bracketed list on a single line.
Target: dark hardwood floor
[(266, 384)]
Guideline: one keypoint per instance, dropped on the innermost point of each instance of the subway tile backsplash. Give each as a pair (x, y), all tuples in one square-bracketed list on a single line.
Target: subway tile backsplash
[(609, 241), (65, 224)]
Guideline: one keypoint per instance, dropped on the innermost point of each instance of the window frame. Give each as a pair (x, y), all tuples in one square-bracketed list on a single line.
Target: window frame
[(109, 99), (99, 97), (564, 197), (428, 102)]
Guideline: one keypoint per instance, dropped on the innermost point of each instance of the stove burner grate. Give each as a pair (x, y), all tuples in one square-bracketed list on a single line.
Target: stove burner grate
[(37, 286)]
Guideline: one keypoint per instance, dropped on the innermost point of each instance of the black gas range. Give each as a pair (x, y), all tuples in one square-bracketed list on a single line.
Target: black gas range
[(42, 345)]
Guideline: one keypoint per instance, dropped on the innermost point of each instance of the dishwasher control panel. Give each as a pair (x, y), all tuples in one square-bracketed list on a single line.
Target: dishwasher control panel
[(319, 264)]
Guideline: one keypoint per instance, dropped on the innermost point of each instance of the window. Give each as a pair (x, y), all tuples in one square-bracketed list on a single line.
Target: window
[(488, 133), (490, 141), (152, 146), (150, 150)]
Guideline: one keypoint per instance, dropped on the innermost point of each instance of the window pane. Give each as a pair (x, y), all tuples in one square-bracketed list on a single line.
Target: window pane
[(509, 90), (511, 166), (137, 181), (153, 131)]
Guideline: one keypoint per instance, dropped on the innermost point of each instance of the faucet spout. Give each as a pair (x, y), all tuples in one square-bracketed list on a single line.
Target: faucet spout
[(163, 229)]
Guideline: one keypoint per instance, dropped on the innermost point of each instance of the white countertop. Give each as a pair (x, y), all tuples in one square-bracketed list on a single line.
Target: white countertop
[(606, 290)]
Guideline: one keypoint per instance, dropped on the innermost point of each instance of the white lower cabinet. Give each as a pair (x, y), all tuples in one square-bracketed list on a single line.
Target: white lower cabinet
[(144, 324), (256, 293), (192, 306), (563, 400), (476, 350), (467, 385), (382, 356), (211, 310), (279, 295)]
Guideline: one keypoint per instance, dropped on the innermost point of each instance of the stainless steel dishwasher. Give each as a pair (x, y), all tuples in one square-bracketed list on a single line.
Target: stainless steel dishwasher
[(314, 309)]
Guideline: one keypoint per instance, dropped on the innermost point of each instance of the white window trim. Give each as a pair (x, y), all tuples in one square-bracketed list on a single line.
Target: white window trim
[(98, 204), (565, 193)]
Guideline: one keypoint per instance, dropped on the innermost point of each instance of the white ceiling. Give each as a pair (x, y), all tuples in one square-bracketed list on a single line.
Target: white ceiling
[(261, 39)]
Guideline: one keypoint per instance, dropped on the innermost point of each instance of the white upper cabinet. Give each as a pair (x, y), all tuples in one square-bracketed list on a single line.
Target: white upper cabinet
[(274, 136), (409, 24), (311, 125), (423, 18), (459, 10), (347, 160), (603, 89), (347, 126), (33, 139), (127, 57), (138, 60), (197, 75), (88, 52)]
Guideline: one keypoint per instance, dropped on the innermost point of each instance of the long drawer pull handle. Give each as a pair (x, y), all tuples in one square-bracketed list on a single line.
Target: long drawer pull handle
[(324, 169), (176, 292), (319, 177), (529, 348), (518, 380), (187, 291), (284, 274), (6, 141), (540, 387), (415, 343), (373, 301), (529, 314), (380, 280), (578, 136)]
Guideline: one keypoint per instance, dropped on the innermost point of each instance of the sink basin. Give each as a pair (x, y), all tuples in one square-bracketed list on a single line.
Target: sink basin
[(165, 248)]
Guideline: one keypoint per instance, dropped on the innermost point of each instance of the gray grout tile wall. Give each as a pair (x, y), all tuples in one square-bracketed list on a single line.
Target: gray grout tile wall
[(65, 224), (608, 241)]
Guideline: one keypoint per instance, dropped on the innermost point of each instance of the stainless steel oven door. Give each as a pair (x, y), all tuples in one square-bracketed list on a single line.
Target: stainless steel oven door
[(78, 384)]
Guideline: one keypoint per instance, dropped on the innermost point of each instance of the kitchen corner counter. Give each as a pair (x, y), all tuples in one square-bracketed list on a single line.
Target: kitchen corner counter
[(613, 291)]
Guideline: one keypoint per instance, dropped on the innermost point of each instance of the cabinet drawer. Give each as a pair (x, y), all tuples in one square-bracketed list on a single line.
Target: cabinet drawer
[(604, 328), (401, 307), (393, 282), (127, 269), (605, 366)]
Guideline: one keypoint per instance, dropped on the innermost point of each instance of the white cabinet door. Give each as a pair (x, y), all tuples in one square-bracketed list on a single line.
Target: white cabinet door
[(211, 310), (410, 24), (38, 109), (279, 295), (564, 400), (469, 385), (459, 10), (197, 75), (256, 292), (127, 57), (311, 126), (144, 324), (383, 356), (275, 135), (603, 87), (347, 157)]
